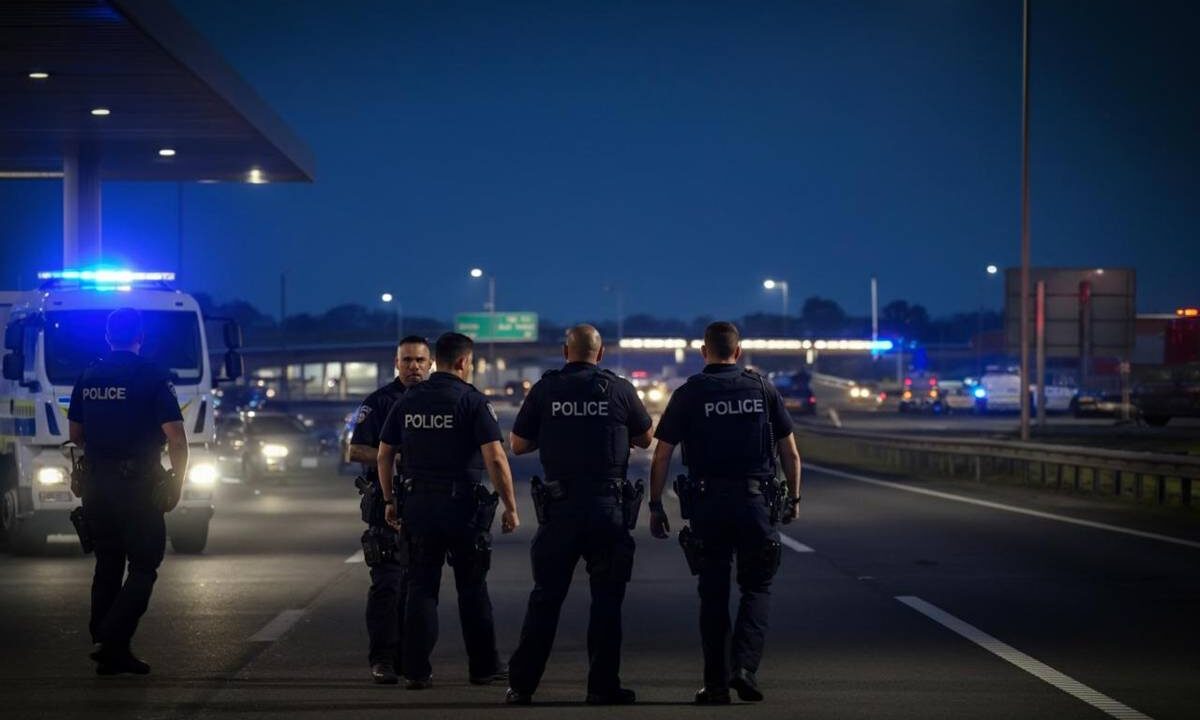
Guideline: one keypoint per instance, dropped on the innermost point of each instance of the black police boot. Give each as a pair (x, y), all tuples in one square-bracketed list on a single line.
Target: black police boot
[(117, 661), (620, 696), (712, 696), (384, 674), (746, 685), (516, 697), (501, 675), (420, 684)]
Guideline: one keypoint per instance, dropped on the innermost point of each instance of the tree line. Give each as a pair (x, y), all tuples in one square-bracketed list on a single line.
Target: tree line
[(818, 318)]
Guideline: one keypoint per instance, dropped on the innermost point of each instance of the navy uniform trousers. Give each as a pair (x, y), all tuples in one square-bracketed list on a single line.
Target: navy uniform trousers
[(385, 613), (730, 521), (126, 529), (591, 527), (438, 529)]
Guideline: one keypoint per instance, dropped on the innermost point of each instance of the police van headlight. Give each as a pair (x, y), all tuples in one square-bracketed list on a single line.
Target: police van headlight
[(203, 475), (274, 452), (51, 476), (655, 395)]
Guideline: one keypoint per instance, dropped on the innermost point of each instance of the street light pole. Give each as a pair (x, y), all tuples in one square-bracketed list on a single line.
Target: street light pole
[(770, 284), (490, 306), (1025, 221)]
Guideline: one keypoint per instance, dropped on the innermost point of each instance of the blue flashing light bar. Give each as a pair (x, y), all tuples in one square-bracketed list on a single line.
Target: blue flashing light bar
[(980, 393), (107, 276)]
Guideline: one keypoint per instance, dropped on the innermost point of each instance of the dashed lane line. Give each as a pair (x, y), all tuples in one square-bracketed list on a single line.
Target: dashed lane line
[(279, 625), (1034, 667)]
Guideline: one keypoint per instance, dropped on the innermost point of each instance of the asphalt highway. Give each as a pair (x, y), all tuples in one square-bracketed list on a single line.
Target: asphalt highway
[(890, 603)]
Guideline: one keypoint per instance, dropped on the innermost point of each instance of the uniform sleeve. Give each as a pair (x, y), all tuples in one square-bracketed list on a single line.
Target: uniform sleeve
[(636, 418), (392, 428), (781, 419), (75, 409), (368, 423), (529, 417), (485, 426), (672, 424), (166, 403)]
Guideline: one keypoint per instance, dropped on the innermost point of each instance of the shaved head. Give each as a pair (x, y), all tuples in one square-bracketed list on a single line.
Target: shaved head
[(583, 344)]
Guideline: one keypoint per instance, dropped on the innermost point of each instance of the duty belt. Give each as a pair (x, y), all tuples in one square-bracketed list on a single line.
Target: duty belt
[(601, 487), (441, 487), (754, 484)]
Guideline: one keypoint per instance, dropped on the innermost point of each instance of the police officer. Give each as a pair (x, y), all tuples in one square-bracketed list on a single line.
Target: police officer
[(389, 578), (447, 435), (582, 420), (123, 410), (731, 423)]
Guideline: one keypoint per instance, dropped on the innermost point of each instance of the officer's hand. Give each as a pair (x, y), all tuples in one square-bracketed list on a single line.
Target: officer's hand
[(791, 513), (660, 527), (509, 521), (390, 515)]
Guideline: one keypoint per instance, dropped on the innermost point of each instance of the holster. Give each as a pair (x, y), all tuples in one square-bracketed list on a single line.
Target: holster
[(383, 544), (486, 503), (161, 487), (688, 490), (81, 469), (631, 502), (542, 492), (79, 520), (693, 549), (776, 494)]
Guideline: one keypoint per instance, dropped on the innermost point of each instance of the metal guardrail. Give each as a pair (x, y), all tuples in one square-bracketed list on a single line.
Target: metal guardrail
[(1152, 478)]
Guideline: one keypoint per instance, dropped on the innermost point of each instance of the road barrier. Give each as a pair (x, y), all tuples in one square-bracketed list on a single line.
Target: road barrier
[(1148, 478)]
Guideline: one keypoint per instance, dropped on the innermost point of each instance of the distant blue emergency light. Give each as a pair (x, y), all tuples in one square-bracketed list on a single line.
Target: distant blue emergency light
[(107, 276), (980, 393)]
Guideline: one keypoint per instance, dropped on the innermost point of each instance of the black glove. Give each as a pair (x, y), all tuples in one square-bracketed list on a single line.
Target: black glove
[(659, 526)]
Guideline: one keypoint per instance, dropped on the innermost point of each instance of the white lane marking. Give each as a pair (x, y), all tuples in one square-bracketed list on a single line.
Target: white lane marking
[(1009, 508), (1038, 669), (279, 625), (356, 557), (794, 544)]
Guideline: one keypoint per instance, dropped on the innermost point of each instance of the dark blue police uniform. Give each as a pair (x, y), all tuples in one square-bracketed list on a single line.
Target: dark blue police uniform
[(581, 418), (439, 426), (389, 579), (123, 400), (727, 420)]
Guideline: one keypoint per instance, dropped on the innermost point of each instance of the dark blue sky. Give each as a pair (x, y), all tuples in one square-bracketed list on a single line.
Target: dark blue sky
[(682, 150)]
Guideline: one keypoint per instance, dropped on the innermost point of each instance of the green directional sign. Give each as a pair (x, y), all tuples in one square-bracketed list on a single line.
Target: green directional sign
[(498, 327)]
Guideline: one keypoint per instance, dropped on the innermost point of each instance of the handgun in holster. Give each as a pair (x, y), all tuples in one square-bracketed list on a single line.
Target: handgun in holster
[(163, 479), (544, 492), (81, 469), (631, 501), (688, 490), (776, 495), (693, 549), (79, 520), (486, 502)]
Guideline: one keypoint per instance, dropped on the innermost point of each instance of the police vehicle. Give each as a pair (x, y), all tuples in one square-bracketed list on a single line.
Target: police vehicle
[(50, 336)]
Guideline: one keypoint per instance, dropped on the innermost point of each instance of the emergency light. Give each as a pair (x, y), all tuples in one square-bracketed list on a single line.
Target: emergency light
[(107, 276)]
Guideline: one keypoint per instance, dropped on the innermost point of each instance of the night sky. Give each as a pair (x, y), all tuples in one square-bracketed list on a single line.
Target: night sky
[(683, 151)]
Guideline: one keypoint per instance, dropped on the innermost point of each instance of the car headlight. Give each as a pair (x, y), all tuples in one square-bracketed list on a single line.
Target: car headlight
[(203, 475), (51, 476), (655, 395), (273, 451)]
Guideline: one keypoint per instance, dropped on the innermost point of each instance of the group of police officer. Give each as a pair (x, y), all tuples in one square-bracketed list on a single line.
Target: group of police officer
[(443, 436)]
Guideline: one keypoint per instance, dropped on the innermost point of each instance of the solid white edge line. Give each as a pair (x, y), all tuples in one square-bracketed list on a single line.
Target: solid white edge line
[(355, 557), (1008, 508), (279, 625), (1038, 669), (794, 544)]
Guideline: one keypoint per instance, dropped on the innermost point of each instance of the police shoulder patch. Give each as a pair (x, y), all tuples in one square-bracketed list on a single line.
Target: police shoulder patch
[(171, 388), (363, 412)]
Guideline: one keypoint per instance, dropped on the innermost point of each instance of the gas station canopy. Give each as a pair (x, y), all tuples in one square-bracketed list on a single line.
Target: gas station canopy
[(130, 89)]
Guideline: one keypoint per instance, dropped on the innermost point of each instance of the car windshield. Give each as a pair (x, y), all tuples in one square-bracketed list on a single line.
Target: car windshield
[(276, 425), (75, 338)]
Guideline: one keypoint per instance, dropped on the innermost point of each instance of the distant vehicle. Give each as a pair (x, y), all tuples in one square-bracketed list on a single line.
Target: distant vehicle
[(653, 392), (262, 445), (1168, 392), (1096, 403), (516, 390), (1001, 392), (920, 394), (796, 390), (956, 396)]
